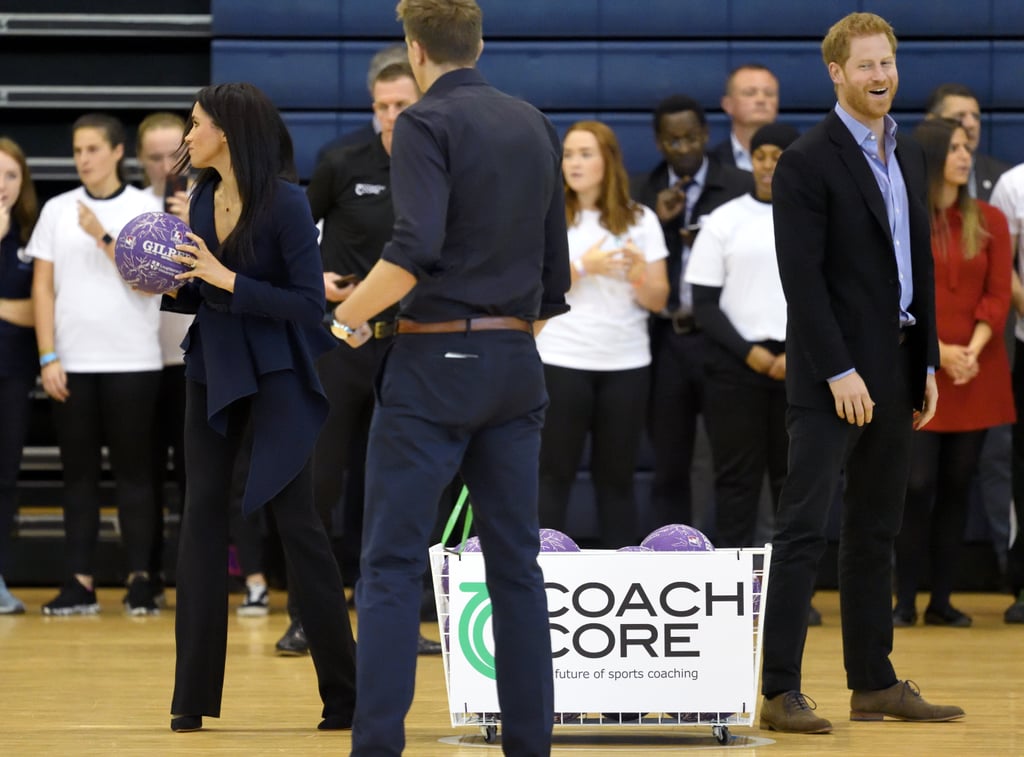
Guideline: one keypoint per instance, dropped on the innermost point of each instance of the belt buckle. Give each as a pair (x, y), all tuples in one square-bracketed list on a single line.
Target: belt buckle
[(382, 329)]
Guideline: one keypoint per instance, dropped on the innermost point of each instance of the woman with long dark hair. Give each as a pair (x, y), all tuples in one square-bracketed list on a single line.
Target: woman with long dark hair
[(256, 287), (597, 357), (971, 249), (19, 209), (99, 361)]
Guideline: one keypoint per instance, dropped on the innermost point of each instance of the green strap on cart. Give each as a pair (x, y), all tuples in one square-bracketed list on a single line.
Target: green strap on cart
[(454, 518)]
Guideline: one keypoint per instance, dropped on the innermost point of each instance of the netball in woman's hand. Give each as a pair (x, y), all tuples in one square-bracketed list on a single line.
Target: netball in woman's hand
[(144, 249)]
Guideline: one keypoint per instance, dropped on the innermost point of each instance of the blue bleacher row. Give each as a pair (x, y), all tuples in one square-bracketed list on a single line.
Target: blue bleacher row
[(635, 131), (318, 75), (676, 19), (321, 86)]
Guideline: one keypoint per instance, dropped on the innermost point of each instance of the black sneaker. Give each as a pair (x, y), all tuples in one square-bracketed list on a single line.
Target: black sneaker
[(293, 643), (813, 616), (73, 599), (256, 604), (946, 616), (139, 599), (427, 646)]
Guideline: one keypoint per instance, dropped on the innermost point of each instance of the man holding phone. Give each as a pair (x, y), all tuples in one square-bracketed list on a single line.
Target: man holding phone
[(351, 191)]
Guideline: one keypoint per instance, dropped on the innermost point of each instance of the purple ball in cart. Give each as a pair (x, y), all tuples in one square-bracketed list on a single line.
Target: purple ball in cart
[(677, 537), (142, 252), (555, 541)]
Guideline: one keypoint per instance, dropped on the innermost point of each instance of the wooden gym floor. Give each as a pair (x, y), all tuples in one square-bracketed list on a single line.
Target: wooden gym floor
[(102, 686)]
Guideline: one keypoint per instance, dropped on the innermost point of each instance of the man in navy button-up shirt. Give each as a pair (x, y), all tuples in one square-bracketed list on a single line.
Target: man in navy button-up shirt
[(479, 259)]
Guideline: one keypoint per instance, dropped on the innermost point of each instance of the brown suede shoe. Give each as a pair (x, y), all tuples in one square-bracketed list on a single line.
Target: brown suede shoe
[(901, 701), (789, 712)]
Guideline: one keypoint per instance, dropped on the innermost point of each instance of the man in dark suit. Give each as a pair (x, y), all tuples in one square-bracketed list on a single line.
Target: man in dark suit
[(852, 236), (751, 100), (685, 187), (479, 256), (958, 102)]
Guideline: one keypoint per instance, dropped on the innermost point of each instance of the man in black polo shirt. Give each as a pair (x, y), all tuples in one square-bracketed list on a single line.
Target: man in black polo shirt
[(350, 191), (478, 257)]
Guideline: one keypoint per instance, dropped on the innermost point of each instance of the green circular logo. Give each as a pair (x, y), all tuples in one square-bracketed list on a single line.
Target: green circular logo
[(471, 629)]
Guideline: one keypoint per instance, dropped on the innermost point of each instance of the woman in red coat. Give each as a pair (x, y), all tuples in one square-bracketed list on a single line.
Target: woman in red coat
[(971, 249)]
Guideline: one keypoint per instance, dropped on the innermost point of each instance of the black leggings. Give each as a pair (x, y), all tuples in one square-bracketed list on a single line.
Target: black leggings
[(116, 409), (935, 514), (611, 406), (15, 407)]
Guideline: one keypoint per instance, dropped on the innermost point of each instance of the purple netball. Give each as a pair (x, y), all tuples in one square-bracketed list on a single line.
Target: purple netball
[(555, 541), (143, 252), (677, 537)]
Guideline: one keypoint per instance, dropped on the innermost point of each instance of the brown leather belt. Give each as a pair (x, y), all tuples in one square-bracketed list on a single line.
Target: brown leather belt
[(481, 323)]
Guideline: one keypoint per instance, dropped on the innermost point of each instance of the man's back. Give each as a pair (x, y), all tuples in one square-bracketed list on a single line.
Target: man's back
[(486, 165)]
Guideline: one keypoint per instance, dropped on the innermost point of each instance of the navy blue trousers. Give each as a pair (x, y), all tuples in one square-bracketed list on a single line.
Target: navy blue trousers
[(447, 403)]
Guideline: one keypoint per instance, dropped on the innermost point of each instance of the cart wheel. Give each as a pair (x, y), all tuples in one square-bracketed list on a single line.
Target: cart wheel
[(721, 733), (490, 733)]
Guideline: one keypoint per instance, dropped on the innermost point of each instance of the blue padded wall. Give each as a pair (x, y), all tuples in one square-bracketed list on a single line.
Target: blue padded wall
[(614, 60)]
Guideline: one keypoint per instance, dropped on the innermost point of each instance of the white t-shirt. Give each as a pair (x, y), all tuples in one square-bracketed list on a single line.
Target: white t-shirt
[(1008, 196), (605, 330), (172, 325), (736, 251), (100, 324)]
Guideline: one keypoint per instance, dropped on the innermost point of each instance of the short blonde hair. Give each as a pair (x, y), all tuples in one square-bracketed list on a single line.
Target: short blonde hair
[(449, 30), (835, 48)]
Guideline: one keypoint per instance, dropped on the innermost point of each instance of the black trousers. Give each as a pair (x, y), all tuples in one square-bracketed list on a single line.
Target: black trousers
[(202, 610), (677, 398), (16, 407), (876, 458), (116, 409), (1015, 558), (941, 468), (745, 414), (611, 406), (339, 459), (168, 443)]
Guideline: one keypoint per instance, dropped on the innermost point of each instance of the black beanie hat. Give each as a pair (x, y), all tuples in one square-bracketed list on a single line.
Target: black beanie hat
[(780, 135)]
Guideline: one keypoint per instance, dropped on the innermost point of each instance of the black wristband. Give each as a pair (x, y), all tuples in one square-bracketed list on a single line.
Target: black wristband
[(106, 238)]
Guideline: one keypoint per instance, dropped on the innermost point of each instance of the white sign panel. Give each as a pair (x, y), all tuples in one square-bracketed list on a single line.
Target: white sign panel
[(653, 632)]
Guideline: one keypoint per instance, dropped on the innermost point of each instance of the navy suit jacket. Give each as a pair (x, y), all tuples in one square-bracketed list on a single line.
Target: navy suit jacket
[(838, 267), (262, 340), (987, 171), (722, 152)]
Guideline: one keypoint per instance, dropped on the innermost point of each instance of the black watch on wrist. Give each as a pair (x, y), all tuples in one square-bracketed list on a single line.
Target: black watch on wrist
[(106, 238)]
